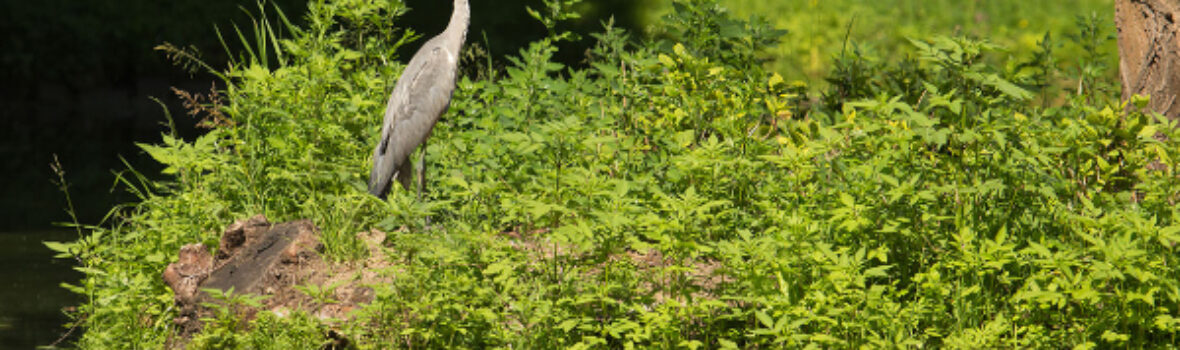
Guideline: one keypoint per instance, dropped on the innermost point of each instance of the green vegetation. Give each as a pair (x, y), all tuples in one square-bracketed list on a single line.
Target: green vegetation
[(821, 30), (675, 194)]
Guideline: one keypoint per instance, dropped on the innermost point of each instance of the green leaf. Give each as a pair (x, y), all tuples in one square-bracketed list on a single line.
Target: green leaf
[(1114, 337), (879, 271), (766, 320)]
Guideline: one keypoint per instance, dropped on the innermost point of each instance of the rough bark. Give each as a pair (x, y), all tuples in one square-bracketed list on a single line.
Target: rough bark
[(264, 259), (253, 257), (1149, 52)]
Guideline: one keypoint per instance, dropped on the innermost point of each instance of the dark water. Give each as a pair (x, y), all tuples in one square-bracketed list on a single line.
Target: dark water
[(31, 296)]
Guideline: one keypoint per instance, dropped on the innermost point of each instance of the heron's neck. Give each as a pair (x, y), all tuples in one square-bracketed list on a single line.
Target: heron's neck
[(460, 18)]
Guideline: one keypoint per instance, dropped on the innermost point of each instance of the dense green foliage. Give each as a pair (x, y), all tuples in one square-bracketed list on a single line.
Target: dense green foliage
[(820, 30), (676, 195)]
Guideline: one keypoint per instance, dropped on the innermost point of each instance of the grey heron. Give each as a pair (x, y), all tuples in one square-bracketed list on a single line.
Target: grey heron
[(421, 96)]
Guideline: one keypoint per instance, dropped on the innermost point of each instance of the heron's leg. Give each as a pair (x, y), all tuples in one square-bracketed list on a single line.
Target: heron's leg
[(404, 175), (422, 178), (421, 172)]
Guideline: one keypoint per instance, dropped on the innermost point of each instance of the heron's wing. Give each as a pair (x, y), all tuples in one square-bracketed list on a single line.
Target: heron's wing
[(427, 97), (420, 97)]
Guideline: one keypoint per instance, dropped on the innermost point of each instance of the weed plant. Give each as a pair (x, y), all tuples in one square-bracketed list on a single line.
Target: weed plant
[(673, 194)]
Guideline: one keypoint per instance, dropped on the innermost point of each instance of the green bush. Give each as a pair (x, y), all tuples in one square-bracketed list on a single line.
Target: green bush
[(820, 30), (675, 195)]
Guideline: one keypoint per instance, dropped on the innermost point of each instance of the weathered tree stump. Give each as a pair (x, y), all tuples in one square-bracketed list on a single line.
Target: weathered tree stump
[(259, 258), (1149, 52), (245, 268)]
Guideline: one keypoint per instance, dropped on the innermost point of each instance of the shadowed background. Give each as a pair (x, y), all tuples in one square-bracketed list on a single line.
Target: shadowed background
[(79, 77)]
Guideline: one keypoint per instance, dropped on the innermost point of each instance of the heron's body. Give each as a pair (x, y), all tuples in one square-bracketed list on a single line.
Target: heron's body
[(421, 96)]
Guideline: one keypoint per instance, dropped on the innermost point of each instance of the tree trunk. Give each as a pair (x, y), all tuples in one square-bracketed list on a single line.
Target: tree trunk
[(1149, 52)]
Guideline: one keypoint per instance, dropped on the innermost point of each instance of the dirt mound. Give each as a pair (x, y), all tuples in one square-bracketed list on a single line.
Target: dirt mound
[(272, 260)]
